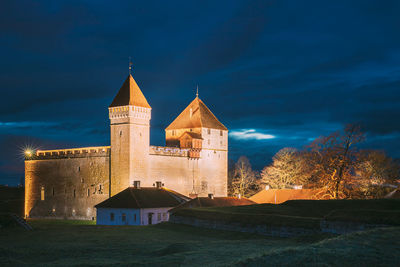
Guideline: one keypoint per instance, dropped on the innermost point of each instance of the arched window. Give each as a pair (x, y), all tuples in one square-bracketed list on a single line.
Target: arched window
[(42, 193)]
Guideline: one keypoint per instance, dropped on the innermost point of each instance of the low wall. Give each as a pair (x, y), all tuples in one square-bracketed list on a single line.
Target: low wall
[(333, 227), (277, 231)]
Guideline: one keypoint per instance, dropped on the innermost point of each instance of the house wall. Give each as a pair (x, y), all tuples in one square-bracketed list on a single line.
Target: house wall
[(142, 216), (79, 181), (104, 218), (164, 215)]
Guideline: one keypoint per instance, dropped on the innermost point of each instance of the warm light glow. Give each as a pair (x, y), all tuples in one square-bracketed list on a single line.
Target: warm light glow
[(28, 153)]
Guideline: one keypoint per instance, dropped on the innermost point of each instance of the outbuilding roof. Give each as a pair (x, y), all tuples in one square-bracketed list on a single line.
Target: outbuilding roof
[(214, 202), (192, 135), (130, 94), (144, 197), (196, 115), (277, 196)]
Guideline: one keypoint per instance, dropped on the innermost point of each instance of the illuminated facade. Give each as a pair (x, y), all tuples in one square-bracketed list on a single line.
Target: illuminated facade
[(68, 183)]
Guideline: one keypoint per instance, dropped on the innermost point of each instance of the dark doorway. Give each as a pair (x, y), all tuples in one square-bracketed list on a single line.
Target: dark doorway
[(150, 218)]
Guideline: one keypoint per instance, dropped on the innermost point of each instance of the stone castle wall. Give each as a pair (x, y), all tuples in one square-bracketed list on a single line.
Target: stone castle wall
[(186, 175), (67, 183), (73, 181)]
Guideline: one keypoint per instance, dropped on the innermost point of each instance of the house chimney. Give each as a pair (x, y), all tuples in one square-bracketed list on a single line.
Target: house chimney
[(136, 184), (211, 196), (158, 184)]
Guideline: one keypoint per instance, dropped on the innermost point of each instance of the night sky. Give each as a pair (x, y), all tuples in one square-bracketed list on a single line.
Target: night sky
[(276, 73)]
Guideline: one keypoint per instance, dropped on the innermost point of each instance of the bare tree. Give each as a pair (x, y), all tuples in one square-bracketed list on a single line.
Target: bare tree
[(376, 173), (244, 178), (333, 159), (287, 169)]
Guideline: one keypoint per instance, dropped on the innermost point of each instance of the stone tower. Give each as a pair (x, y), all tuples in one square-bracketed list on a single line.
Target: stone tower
[(197, 128), (130, 115)]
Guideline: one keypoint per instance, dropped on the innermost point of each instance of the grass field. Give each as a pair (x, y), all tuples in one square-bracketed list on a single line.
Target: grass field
[(55, 242), (304, 213)]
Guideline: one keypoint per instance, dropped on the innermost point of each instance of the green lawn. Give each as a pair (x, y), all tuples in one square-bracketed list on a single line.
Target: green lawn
[(55, 242)]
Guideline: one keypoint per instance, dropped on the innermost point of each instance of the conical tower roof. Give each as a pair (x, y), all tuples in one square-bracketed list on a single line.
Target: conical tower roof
[(130, 94), (196, 115)]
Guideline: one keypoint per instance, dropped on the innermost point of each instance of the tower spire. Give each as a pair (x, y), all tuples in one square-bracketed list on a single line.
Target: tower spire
[(130, 65), (197, 91)]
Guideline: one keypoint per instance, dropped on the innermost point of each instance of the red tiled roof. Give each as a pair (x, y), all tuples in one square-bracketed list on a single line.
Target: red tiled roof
[(281, 195), (130, 94), (196, 115), (144, 197), (214, 202)]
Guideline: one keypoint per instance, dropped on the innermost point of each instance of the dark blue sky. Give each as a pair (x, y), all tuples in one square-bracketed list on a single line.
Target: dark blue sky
[(276, 73)]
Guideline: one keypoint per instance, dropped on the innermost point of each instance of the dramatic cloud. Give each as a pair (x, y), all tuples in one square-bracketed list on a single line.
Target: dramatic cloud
[(276, 73), (250, 134)]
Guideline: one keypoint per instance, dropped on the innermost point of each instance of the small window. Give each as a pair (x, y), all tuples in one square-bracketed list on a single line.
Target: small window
[(209, 131), (191, 130), (173, 132), (42, 193), (111, 216), (164, 216), (204, 186), (88, 192), (74, 193), (53, 191), (208, 141), (120, 133), (220, 142), (159, 216), (134, 217), (79, 169), (123, 217)]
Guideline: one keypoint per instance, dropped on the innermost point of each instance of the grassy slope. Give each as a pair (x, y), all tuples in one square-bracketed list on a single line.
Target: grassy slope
[(82, 243), (304, 213), (378, 247), (76, 243)]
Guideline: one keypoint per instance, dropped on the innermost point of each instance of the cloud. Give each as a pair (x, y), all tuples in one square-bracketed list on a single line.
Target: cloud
[(250, 134), (25, 124)]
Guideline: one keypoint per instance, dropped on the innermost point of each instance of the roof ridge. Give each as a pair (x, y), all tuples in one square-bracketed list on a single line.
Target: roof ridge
[(207, 109), (134, 197)]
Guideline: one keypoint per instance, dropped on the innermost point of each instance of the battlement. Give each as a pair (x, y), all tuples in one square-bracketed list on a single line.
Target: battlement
[(169, 151), (71, 153), (129, 111)]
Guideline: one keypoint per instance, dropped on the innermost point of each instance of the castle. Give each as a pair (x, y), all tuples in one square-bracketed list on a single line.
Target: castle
[(68, 183)]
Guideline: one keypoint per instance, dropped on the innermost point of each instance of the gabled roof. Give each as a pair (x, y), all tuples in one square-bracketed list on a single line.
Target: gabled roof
[(277, 196), (144, 197), (130, 94), (200, 116), (192, 135), (214, 202)]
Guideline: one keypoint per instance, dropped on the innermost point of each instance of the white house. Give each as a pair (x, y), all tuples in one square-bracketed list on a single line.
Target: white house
[(138, 206)]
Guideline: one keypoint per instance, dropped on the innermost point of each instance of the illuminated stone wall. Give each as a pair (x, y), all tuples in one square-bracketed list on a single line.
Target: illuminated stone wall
[(73, 183), (130, 139)]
